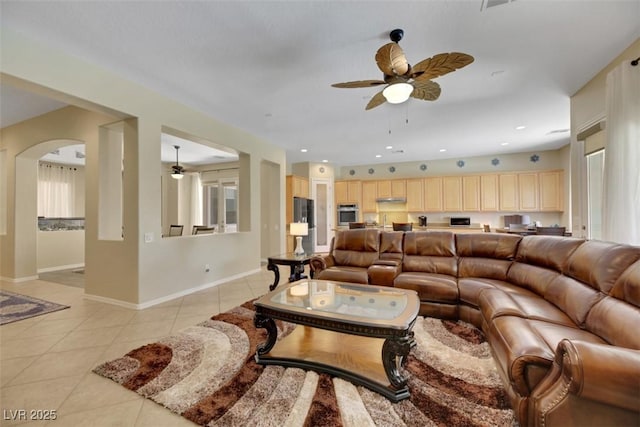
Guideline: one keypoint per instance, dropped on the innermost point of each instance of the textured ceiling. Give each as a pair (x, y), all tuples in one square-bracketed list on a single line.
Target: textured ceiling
[(267, 67)]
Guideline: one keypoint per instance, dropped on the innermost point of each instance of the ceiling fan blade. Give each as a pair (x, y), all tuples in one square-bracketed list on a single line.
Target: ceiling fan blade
[(391, 60), (439, 65), (377, 99), (359, 83), (426, 90)]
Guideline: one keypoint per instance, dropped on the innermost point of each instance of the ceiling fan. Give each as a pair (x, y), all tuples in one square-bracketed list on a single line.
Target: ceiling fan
[(176, 170), (403, 80)]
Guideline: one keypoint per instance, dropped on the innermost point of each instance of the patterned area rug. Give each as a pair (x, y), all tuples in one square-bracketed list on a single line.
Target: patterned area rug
[(207, 374), (14, 307)]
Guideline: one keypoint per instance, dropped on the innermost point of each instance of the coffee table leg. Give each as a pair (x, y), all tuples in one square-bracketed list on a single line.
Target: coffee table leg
[(392, 349), (274, 268), (262, 321)]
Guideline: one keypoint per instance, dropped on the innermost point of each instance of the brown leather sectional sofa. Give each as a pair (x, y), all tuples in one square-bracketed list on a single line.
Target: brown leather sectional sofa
[(561, 314)]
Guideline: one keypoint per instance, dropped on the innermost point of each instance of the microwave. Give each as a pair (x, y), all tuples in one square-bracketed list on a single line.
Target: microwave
[(457, 221)]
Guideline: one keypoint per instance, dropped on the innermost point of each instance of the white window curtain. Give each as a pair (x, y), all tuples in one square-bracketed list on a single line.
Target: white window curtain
[(56, 190), (196, 200), (622, 161)]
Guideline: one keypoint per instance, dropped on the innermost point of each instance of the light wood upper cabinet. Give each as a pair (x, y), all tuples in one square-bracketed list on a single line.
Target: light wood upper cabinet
[(348, 192), (415, 195), (369, 195), (452, 193), (433, 194), (399, 188), (489, 193), (383, 188), (551, 191), (297, 186), (471, 193), (528, 191), (508, 185)]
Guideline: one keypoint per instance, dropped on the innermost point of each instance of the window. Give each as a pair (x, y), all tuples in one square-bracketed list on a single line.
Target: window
[(220, 205)]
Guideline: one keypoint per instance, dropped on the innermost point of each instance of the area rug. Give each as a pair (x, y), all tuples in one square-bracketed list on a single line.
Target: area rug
[(14, 307), (207, 374)]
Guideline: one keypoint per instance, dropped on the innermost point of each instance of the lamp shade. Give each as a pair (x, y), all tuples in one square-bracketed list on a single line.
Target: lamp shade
[(177, 175), (397, 93), (298, 228)]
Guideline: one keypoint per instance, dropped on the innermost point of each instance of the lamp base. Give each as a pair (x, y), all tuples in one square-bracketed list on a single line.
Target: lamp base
[(299, 249)]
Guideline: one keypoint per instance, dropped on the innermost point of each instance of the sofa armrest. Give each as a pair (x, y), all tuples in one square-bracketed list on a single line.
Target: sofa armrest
[(588, 375), (317, 263), (383, 272)]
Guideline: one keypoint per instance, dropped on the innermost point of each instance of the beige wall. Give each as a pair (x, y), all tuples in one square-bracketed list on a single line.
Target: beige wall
[(60, 249), (588, 109), (132, 271)]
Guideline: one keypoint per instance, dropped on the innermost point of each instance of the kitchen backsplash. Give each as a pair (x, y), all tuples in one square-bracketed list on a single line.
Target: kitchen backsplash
[(494, 219)]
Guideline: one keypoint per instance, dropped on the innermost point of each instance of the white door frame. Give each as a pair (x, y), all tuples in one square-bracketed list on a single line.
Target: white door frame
[(329, 212)]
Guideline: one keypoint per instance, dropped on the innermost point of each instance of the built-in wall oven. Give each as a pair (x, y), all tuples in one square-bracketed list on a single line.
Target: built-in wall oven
[(347, 213)]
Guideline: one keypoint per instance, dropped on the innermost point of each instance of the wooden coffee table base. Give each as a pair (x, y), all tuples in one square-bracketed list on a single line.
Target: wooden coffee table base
[(358, 359)]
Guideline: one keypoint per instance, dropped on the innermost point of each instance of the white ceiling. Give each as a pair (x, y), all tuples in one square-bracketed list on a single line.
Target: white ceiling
[(267, 67)]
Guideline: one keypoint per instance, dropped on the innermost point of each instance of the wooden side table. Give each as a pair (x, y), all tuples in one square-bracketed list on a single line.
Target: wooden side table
[(295, 262)]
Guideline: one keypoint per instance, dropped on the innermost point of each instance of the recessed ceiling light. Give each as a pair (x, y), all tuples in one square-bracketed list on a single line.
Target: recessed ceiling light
[(505, 143), (442, 150), (389, 147), (378, 155), (325, 161), (303, 150), (520, 127)]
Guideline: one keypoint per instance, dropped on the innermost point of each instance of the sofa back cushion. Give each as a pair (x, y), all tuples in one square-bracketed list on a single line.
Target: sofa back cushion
[(600, 264), (391, 245), (547, 251), (430, 252), (356, 248), (627, 287), (487, 255), (573, 297), (536, 279)]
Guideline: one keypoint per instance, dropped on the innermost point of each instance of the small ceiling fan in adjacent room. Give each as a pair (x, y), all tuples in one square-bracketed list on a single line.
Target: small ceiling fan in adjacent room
[(177, 170), (403, 80)]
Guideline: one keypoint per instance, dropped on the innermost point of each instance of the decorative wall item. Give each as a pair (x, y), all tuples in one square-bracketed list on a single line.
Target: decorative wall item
[(392, 169), (352, 172), (371, 171), (423, 167), (495, 162), (460, 163), (534, 158), (321, 169)]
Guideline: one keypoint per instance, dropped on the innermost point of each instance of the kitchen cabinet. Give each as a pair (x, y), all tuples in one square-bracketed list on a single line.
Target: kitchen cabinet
[(369, 196), (551, 191), (433, 194), (392, 188), (528, 192), (508, 186), (471, 193), (297, 186), (348, 192), (415, 195), (452, 193), (489, 193)]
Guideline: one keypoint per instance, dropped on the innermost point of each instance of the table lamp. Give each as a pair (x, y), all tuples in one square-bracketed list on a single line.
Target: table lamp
[(298, 229)]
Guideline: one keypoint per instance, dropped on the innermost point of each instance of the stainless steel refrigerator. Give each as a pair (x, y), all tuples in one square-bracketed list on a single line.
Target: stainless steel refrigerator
[(303, 211)]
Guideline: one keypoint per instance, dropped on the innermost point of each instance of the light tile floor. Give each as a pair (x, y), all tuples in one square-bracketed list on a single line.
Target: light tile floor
[(46, 361)]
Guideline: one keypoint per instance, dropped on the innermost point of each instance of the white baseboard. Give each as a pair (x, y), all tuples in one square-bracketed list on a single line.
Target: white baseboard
[(60, 267), (19, 279), (170, 297)]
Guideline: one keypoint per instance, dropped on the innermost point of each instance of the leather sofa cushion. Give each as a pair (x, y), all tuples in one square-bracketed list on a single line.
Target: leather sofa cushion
[(356, 248), (471, 287), (483, 267), (531, 277), (430, 252), (391, 245), (487, 245), (344, 274), (616, 322), (547, 251), (572, 297), (429, 286), (627, 287), (600, 264), (520, 302), (525, 348)]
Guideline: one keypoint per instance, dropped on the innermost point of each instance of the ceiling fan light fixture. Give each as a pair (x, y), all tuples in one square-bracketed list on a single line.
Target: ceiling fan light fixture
[(397, 93), (176, 175)]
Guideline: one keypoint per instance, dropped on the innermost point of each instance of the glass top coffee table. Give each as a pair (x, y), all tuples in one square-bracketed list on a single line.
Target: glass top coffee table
[(361, 333)]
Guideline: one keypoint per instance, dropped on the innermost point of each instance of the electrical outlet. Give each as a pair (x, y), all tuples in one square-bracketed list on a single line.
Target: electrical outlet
[(148, 237), (206, 268)]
